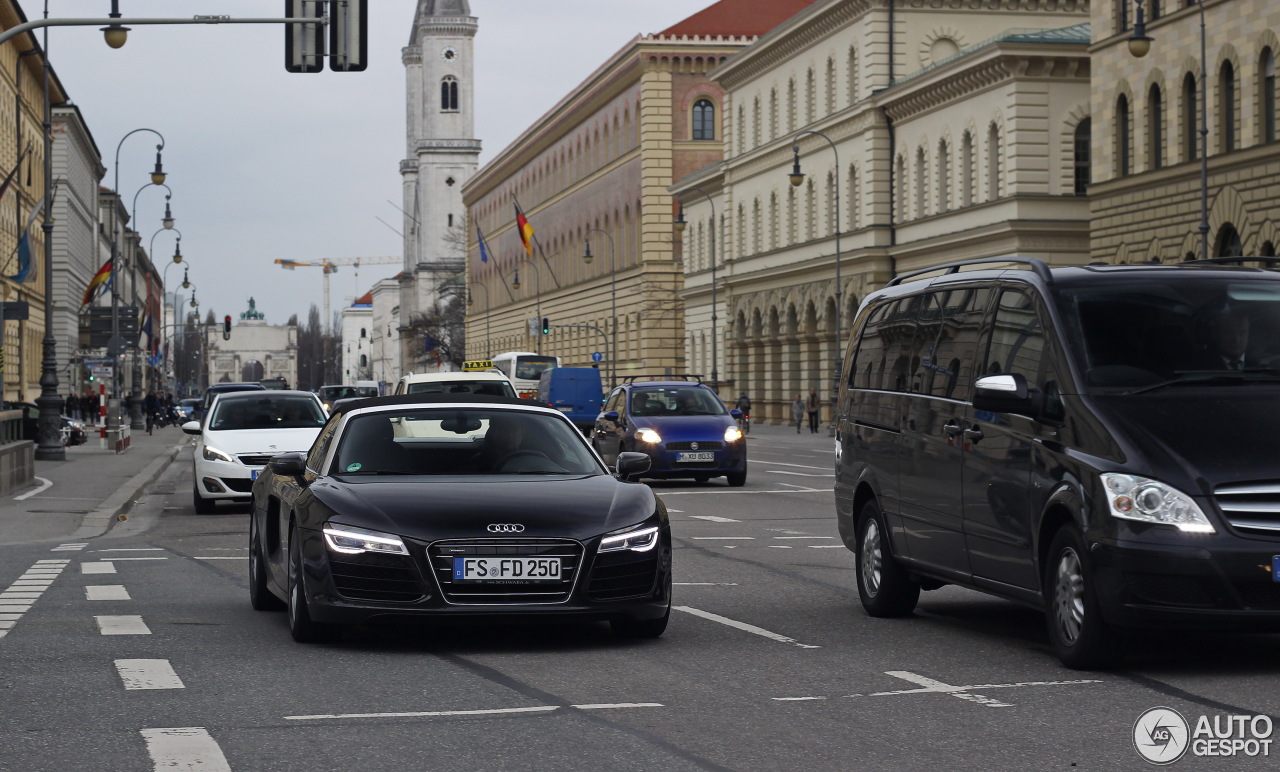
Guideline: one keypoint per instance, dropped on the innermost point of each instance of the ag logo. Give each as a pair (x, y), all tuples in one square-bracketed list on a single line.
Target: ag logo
[(1161, 735)]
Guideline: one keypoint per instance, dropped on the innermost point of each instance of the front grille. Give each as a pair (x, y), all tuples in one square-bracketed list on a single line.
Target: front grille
[(626, 574), (441, 555), (255, 459), (237, 484), (1264, 596), (1252, 508), (375, 577), (1167, 590), (702, 445)]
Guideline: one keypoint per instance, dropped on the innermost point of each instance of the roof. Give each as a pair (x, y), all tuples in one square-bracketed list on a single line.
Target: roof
[(465, 375), (431, 400), (364, 300), (737, 17)]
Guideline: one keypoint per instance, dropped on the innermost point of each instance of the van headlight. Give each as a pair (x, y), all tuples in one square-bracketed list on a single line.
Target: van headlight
[(350, 540), (213, 454), (1151, 501)]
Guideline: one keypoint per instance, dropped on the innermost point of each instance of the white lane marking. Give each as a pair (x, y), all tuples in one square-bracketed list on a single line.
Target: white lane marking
[(148, 674), (715, 519), (780, 546), (723, 492), (798, 474), (5, 625), (15, 594), (44, 486), (743, 626), (796, 699), (17, 608), (706, 584), (804, 537), (723, 538), (779, 463), (934, 686), (52, 562), (122, 625), (490, 712), (132, 549), (188, 748), (106, 592), (118, 559), (10, 617), (676, 511), (100, 567), (221, 557), (69, 547), (799, 488), (824, 546)]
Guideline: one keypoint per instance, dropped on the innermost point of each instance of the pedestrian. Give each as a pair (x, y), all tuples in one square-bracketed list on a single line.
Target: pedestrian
[(813, 406), (797, 412), (151, 406), (71, 406)]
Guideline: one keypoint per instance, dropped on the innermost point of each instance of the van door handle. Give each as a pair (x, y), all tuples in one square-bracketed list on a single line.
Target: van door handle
[(951, 428), (974, 434)]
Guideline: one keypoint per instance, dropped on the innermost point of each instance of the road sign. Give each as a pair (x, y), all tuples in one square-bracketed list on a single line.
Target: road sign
[(304, 43), (535, 326), (102, 374), (596, 356)]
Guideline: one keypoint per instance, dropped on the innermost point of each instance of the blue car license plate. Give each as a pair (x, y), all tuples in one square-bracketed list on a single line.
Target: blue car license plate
[(1275, 568), (695, 456)]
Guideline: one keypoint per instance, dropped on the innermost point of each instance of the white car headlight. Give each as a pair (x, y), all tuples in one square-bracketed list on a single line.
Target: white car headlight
[(648, 435), (350, 540), (732, 434), (1151, 501), (213, 454), (632, 538)]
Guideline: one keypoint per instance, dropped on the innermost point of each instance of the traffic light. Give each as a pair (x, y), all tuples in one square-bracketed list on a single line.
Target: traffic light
[(546, 325), (226, 327)]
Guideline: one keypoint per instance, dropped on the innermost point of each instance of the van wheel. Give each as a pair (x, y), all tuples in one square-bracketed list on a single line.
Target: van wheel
[(1080, 637), (883, 585)]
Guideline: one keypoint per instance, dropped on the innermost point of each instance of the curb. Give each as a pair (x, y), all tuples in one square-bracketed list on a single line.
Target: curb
[(100, 520)]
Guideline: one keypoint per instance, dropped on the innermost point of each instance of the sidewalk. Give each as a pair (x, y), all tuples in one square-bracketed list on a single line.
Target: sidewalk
[(89, 490)]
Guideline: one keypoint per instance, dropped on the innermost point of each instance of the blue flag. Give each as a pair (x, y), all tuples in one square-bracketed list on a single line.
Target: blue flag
[(484, 252)]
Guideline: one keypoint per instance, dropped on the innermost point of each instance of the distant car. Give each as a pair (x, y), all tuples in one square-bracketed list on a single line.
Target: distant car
[(242, 432), (330, 394), (187, 407), (274, 383), (681, 425), (73, 432), (496, 509), (221, 388), (492, 383)]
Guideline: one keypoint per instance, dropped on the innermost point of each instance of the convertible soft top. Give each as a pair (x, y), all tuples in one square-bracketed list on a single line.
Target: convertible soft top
[(434, 399)]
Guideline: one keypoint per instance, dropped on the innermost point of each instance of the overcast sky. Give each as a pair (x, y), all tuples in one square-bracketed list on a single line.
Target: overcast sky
[(267, 164)]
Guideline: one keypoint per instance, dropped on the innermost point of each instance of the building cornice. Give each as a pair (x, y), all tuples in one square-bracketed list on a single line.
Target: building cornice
[(788, 40)]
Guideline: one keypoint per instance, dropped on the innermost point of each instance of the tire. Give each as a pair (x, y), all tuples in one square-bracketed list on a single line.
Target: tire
[(203, 506), (641, 628), (737, 479), (883, 585), (301, 626), (260, 596), (1080, 637), (701, 478)]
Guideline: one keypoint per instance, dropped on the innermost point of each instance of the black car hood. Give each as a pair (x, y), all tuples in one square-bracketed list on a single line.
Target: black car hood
[(1224, 437), (572, 507)]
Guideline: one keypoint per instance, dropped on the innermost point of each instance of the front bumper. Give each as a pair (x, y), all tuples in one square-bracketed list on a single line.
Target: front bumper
[(359, 589), (665, 461), (223, 480)]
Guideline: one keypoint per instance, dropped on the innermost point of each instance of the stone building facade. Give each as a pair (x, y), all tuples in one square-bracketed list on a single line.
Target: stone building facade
[(256, 350), (926, 133)]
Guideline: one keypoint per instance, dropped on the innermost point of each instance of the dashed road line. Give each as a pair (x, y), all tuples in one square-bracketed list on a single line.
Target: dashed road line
[(705, 584), (799, 474), (128, 624), (132, 549), (221, 557), (779, 463), (70, 547), (148, 674), (489, 712), (724, 492), (106, 592), (98, 567), (804, 537), (743, 626), (184, 748), (824, 546), (723, 538), (715, 519)]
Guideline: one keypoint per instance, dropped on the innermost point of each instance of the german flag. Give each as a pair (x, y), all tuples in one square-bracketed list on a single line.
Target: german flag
[(103, 276), (525, 230)]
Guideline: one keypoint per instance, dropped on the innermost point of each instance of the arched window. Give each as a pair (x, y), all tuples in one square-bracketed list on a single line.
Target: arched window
[(901, 193), (1155, 127), (1122, 137), (791, 105), (1268, 249), (1227, 106), (773, 221), (922, 185), (1189, 117), (853, 75), (791, 216), (755, 122), (1082, 140), (704, 119), (1267, 103), (742, 129), (944, 177), (363, 333), (364, 360), (830, 106), (994, 163), (449, 94), (773, 113), (855, 199), (1228, 242), (966, 169)]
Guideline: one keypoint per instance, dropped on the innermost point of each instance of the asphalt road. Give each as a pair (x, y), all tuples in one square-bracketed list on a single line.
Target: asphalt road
[(769, 662)]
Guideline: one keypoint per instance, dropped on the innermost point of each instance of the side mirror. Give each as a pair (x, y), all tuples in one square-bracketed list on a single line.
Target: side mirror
[(289, 464), (612, 415), (736, 413), (191, 427), (630, 463), (1004, 393)]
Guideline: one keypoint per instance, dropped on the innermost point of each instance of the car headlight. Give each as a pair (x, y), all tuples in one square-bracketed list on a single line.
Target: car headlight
[(634, 538), (1151, 501), (732, 434), (648, 435), (213, 454), (350, 540)]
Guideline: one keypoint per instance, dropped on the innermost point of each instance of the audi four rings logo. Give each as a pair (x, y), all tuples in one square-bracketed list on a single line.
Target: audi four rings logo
[(505, 528)]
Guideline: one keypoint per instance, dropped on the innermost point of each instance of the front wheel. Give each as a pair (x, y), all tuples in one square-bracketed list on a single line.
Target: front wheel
[(883, 585), (260, 596), (203, 506), (641, 628), (737, 479), (301, 626), (1080, 637)]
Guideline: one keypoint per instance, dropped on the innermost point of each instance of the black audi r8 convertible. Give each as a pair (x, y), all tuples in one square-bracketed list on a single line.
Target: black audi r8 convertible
[(447, 505)]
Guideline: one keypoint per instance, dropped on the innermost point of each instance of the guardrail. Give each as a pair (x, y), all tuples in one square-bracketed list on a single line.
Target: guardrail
[(10, 426)]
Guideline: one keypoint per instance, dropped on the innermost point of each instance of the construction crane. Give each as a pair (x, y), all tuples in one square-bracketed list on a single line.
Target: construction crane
[(330, 265)]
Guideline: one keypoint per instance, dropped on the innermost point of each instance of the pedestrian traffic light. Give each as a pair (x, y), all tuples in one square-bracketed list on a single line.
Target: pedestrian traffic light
[(226, 327), (546, 326)]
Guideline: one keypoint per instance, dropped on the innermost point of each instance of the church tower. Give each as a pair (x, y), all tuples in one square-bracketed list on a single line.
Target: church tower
[(441, 154)]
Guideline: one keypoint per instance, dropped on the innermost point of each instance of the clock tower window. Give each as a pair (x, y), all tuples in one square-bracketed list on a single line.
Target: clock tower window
[(449, 94)]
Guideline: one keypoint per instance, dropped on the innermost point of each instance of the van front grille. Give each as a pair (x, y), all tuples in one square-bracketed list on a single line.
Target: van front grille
[(1251, 508)]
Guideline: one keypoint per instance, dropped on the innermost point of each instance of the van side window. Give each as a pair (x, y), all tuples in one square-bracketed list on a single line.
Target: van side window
[(868, 361), (948, 353), (898, 331), (1017, 338)]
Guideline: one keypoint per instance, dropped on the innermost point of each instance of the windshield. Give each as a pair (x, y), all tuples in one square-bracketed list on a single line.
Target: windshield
[(238, 413), (466, 441), (675, 400), (489, 388), (330, 393), (1144, 333), (532, 367)]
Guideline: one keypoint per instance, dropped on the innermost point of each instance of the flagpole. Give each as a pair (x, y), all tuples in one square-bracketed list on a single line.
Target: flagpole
[(49, 446)]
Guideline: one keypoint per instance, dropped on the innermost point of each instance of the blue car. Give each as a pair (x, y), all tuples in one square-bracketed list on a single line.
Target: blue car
[(681, 425)]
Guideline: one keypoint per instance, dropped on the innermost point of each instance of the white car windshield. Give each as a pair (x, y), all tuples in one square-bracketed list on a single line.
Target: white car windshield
[(266, 412)]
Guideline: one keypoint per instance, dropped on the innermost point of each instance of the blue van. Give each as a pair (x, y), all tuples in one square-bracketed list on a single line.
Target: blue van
[(574, 391)]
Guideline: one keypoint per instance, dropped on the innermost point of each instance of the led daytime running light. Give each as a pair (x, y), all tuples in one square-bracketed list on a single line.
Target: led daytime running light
[(640, 540), (353, 541), (213, 454)]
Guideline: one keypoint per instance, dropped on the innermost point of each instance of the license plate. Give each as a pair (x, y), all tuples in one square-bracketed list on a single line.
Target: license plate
[(697, 456), (1275, 568), (253, 474), (491, 569)]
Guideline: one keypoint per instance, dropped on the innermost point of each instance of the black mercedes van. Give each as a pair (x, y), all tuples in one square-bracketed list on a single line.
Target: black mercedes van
[(1101, 442)]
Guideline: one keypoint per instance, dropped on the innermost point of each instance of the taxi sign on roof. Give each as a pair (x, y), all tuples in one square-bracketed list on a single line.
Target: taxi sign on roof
[(478, 364)]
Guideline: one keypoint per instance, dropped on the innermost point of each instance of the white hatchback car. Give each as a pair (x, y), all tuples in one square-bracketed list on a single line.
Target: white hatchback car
[(241, 433)]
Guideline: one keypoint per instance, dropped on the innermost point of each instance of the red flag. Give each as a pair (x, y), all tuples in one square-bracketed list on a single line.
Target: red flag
[(525, 230)]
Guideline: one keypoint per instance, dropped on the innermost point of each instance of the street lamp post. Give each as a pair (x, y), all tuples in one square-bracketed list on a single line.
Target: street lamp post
[(49, 424), (488, 352), (136, 418), (537, 276), (715, 327), (613, 301), (157, 178), (1139, 45), (797, 178)]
